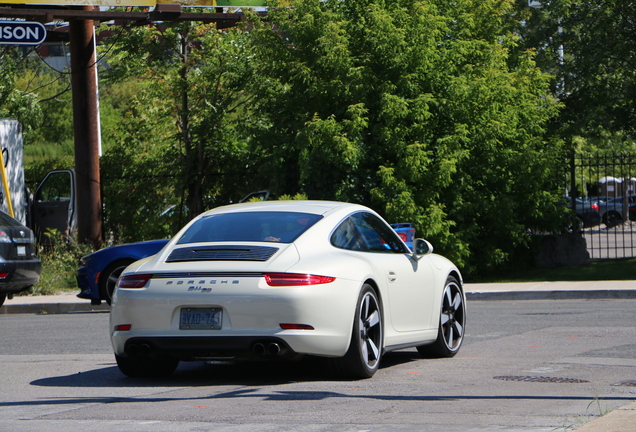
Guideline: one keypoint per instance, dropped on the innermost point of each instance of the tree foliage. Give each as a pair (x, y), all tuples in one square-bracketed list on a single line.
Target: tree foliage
[(427, 110), (182, 121), (590, 46), (16, 102)]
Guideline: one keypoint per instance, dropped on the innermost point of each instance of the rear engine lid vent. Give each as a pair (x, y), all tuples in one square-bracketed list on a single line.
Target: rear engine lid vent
[(222, 253)]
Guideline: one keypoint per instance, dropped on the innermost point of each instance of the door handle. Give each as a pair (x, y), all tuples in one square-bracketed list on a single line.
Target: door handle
[(392, 276)]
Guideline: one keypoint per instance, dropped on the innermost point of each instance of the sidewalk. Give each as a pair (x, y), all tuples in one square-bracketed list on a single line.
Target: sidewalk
[(622, 419), (69, 303)]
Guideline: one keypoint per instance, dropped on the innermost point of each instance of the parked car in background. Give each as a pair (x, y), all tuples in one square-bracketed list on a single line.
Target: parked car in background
[(406, 232), (98, 272), (279, 279), (612, 212), (587, 212), (19, 266)]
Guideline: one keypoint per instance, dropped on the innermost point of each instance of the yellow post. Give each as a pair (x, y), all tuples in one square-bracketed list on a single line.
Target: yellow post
[(5, 184)]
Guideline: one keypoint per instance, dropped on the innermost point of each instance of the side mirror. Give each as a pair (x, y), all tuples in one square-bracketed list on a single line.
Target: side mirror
[(421, 247)]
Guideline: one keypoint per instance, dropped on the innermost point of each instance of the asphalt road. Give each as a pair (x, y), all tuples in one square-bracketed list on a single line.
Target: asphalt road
[(525, 366)]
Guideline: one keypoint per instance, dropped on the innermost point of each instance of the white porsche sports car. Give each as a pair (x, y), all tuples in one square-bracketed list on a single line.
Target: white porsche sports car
[(282, 278)]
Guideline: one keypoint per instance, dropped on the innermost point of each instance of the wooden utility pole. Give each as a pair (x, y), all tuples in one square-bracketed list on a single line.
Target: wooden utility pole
[(86, 130)]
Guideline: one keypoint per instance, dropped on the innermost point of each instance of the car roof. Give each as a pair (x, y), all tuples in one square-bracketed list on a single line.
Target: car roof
[(306, 206)]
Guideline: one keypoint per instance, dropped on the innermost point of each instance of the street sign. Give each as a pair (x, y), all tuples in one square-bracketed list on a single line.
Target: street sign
[(21, 33)]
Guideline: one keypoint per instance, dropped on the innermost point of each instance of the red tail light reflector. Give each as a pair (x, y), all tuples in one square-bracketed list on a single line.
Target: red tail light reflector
[(4, 275), (296, 326), (292, 279), (123, 327), (133, 281)]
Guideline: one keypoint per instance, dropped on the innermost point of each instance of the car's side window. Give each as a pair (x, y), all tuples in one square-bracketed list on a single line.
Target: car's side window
[(366, 232)]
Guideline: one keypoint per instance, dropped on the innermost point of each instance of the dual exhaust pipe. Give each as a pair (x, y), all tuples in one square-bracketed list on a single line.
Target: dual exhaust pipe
[(141, 350), (273, 349), (259, 349)]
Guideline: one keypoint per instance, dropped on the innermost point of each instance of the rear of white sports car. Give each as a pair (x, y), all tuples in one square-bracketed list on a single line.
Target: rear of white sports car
[(277, 279), (240, 299)]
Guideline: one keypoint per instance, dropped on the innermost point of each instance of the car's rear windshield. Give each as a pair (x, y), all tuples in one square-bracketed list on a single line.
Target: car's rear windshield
[(280, 227)]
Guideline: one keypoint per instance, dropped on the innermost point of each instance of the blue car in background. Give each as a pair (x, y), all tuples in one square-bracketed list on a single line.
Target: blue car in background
[(99, 271)]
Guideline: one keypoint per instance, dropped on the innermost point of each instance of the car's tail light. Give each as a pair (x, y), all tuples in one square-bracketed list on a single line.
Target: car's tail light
[(291, 279), (5, 237), (133, 281), (3, 275), (595, 206)]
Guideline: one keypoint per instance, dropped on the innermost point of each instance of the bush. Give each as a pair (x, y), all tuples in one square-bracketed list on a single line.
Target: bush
[(60, 261)]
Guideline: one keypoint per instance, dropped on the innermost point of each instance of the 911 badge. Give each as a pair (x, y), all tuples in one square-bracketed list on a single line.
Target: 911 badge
[(199, 288)]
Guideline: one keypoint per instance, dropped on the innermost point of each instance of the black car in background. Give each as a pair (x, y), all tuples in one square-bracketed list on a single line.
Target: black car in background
[(587, 212), (19, 266)]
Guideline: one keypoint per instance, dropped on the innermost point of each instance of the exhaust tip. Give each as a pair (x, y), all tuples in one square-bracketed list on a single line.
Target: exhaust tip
[(145, 350), (274, 349), (132, 350), (259, 349)]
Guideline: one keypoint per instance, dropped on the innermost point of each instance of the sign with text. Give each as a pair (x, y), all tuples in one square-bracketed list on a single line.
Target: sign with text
[(120, 3), (106, 3), (22, 33)]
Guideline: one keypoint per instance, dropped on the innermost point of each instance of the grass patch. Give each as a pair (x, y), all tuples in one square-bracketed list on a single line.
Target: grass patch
[(598, 270)]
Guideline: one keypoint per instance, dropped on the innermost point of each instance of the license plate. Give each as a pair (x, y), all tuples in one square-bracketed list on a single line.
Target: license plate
[(21, 250), (201, 319)]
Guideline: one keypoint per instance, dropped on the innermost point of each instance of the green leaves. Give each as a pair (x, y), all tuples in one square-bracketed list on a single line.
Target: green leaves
[(451, 119)]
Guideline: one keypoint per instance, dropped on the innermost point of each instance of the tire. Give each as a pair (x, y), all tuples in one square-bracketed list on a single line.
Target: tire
[(612, 218), (362, 359), (2, 298), (452, 323), (146, 367), (108, 278)]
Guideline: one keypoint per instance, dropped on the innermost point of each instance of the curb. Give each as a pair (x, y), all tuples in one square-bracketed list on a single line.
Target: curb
[(622, 419), (552, 295), (52, 308)]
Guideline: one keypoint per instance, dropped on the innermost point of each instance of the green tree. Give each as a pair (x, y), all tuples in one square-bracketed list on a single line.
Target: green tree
[(15, 102), (590, 47), (427, 110), (182, 122)]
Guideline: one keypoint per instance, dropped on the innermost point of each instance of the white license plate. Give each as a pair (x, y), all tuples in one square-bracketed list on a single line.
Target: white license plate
[(201, 319), (21, 250)]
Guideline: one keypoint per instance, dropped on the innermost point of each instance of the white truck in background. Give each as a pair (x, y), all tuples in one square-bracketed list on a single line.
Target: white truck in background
[(53, 203)]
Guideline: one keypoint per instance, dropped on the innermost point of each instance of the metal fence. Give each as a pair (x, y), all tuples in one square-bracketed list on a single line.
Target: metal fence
[(607, 183)]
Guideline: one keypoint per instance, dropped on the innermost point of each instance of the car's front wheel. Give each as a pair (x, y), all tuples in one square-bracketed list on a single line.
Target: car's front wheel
[(146, 367), (452, 323), (363, 357)]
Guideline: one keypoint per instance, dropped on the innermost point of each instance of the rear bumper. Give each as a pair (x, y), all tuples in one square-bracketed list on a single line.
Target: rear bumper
[(21, 275), (207, 347)]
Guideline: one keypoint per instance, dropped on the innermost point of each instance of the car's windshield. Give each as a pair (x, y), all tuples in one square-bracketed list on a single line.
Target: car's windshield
[(281, 227)]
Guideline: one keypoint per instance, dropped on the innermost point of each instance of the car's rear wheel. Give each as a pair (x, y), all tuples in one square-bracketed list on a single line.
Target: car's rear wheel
[(452, 323), (2, 298), (108, 278), (612, 218), (146, 367), (363, 357)]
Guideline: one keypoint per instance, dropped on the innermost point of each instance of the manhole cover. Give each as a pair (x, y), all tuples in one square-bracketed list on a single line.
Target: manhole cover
[(541, 379), (628, 383)]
